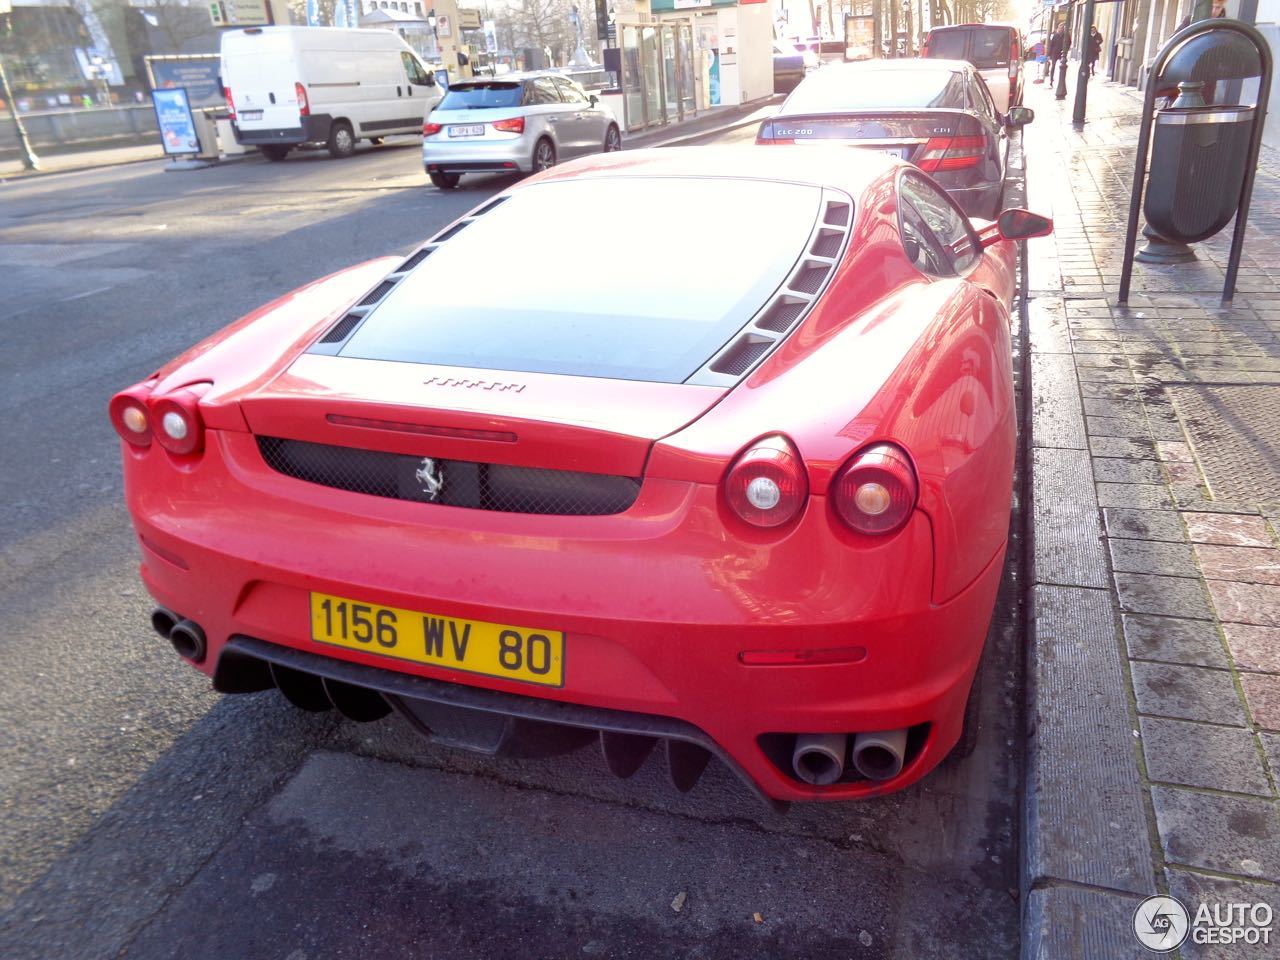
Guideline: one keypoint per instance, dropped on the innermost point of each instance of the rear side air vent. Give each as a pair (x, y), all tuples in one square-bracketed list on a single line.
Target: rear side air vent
[(828, 243), (808, 279), (416, 259), (453, 231), (342, 329), (782, 313), (789, 305), (739, 358), (377, 293), (837, 214)]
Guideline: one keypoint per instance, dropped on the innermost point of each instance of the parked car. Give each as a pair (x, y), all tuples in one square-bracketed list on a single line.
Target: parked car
[(761, 519), (789, 67), (937, 114), (995, 49), (524, 123), (287, 86)]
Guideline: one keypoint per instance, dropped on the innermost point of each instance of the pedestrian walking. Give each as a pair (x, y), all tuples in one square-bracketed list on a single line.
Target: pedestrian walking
[(1058, 46), (1095, 49)]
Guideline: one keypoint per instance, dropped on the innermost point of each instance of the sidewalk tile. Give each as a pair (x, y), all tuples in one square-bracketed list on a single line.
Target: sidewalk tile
[(1194, 889), (1145, 556), (1174, 451), (1055, 407), (1203, 755), (1262, 693), (1246, 602), (1148, 495), (1236, 835), (1271, 747), (1254, 648), (1231, 529), (1192, 642), (1186, 693), (1121, 470), (1166, 596), (1246, 564), (1068, 541), (1144, 524), (1121, 447), (1073, 923)]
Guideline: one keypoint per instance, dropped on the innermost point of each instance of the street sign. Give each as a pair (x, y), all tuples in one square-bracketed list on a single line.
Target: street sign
[(239, 13), (468, 19)]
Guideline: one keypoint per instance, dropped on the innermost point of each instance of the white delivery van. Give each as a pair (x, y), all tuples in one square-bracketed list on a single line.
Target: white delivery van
[(291, 85)]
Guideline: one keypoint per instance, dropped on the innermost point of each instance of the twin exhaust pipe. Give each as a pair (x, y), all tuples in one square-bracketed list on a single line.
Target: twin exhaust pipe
[(819, 758), (185, 635)]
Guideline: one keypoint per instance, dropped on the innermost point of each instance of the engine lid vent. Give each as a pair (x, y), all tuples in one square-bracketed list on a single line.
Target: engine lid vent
[(782, 313), (377, 293), (739, 358), (837, 214), (342, 329), (414, 260), (809, 278)]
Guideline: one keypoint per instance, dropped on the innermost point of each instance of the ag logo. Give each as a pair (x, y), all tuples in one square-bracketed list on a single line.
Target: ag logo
[(430, 477), (1161, 924)]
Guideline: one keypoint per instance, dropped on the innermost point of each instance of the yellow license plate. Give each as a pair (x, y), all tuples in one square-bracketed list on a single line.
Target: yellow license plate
[(493, 649)]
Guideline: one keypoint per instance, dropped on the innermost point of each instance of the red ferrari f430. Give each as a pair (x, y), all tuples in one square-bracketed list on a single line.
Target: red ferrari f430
[(730, 479)]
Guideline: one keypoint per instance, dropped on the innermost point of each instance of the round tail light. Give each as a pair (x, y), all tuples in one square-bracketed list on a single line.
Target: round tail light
[(876, 491), (176, 423), (767, 484), (131, 419)]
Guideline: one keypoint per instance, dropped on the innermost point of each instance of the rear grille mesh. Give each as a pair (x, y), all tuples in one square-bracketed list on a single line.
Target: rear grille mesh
[(782, 314), (416, 259), (478, 486), (377, 293), (828, 243), (739, 358), (809, 278), (342, 329), (837, 215)]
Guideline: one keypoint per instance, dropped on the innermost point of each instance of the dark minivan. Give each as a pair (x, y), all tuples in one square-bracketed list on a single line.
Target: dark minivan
[(995, 49)]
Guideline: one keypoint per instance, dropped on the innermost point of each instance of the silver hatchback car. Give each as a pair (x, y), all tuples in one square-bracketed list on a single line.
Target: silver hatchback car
[(523, 123)]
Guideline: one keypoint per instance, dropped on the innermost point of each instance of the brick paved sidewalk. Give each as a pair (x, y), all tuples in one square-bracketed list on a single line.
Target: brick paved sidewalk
[(1154, 747)]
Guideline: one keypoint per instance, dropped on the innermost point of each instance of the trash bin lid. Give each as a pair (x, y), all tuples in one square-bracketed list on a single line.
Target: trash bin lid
[(1219, 113)]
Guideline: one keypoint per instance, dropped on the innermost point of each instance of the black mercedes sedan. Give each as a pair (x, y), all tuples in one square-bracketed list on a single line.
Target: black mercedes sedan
[(937, 114)]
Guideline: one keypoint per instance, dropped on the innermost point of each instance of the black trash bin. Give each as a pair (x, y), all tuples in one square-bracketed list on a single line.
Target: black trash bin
[(1198, 161)]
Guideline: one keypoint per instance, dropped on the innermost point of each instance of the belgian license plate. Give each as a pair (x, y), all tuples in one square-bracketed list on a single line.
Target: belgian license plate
[(473, 646), (471, 130), (250, 114)]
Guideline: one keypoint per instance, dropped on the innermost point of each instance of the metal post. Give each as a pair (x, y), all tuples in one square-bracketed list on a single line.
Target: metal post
[(1061, 92), (1082, 77), (29, 159)]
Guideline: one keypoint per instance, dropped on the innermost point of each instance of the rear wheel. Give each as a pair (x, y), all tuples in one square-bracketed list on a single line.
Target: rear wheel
[(274, 152), (444, 181), (612, 139), (342, 141), (544, 156)]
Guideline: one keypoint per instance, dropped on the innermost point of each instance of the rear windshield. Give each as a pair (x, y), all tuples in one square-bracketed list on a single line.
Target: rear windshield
[(984, 47), (836, 90), (948, 44), (524, 289), (989, 48), (473, 96)]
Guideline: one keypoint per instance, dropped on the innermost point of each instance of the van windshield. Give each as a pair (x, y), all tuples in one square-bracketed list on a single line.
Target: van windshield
[(477, 96)]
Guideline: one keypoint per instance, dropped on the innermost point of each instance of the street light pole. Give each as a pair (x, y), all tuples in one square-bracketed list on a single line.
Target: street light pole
[(29, 160), (1082, 78), (1061, 92)]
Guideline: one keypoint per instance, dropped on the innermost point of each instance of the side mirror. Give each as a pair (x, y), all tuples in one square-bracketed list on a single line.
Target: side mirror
[(1019, 117), (593, 99), (1016, 224)]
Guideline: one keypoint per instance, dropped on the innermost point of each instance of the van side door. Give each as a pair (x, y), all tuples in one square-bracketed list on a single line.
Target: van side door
[(419, 86)]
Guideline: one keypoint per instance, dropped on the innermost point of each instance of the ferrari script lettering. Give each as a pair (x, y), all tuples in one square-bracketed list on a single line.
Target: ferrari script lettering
[(473, 384)]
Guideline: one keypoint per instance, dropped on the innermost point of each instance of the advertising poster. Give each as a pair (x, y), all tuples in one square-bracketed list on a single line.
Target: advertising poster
[(490, 36), (859, 38), (177, 126), (197, 75)]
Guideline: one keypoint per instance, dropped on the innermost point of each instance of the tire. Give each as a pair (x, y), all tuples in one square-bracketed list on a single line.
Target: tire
[(972, 723), (274, 152), (445, 181), (342, 140), (544, 155), (612, 139)]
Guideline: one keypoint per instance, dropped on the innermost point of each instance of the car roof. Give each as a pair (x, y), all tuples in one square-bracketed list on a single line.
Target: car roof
[(912, 65), (837, 165)]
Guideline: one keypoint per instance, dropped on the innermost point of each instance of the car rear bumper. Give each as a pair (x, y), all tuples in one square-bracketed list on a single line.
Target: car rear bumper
[(313, 129), (656, 604), (475, 156)]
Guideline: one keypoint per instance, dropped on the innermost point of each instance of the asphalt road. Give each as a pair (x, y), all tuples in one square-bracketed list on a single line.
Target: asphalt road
[(143, 816)]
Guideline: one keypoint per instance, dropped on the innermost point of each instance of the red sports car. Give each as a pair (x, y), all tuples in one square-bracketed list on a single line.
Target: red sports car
[(730, 476)]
